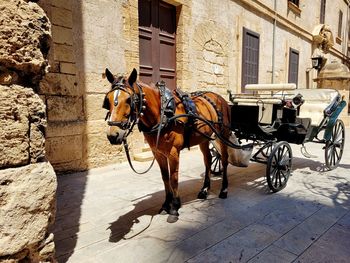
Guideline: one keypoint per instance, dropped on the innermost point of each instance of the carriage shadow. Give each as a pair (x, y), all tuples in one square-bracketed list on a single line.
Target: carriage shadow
[(314, 165)]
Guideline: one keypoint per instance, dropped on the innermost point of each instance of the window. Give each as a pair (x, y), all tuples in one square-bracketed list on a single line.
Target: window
[(293, 5), (296, 2), (250, 58), (340, 23), (323, 11), (293, 66)]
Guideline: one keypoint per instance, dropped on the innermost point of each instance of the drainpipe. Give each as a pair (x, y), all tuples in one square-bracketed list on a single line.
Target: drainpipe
[(347, 29), (274, 42)]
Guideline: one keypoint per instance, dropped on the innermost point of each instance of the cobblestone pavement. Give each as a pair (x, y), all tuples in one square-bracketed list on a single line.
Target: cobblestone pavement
[(110, 214)]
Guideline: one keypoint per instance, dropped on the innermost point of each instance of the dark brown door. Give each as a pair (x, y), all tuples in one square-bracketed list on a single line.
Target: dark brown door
[(157, 35), (250, 58)]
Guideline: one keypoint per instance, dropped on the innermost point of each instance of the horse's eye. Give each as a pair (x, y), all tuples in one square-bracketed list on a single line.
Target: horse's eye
[(128, 100)]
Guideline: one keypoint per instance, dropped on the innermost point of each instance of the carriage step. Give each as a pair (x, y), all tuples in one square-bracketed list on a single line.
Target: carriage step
[(143, 156)]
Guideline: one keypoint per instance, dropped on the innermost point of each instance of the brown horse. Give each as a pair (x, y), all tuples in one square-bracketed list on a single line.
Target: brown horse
[(130, 101)]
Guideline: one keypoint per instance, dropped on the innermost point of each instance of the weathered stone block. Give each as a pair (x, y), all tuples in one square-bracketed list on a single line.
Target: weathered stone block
[(95, 83), (24, 39), (60, 84), (93, 104), (68, 68), (64, 149), (100, 152), (61, 17), (62, 129), (63, 53), (65, 108), (27, 209), (66, 4), (62, 35), (22, 124), (96, 127)]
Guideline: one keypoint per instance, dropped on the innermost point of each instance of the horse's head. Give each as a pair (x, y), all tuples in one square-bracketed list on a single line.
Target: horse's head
[(120, 102)]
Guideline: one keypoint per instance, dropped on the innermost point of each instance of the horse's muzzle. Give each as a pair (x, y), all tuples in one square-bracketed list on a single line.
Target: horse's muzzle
[(116, 139)]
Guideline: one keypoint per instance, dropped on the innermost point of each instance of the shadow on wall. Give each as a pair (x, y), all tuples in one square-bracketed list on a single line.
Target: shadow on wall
[(63, 90)]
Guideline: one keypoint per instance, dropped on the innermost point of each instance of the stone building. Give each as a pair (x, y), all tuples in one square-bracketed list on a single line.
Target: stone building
[(193, 44)]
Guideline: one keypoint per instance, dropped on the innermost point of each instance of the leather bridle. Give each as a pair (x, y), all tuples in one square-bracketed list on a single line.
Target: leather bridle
[(137, 102)]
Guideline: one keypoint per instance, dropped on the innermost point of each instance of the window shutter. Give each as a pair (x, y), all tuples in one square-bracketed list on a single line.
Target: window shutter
[(250, 58), (293, 66), (323, 11)]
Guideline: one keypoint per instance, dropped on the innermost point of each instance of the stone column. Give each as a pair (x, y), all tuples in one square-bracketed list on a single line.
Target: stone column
[(27, 180)]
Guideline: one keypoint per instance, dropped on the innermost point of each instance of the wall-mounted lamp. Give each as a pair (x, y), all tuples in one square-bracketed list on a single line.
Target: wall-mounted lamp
[(316, 62)]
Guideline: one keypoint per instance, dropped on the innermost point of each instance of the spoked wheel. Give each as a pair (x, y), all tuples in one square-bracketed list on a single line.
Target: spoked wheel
[(279, 166), (216, 165), (266, 150), (335, 146)]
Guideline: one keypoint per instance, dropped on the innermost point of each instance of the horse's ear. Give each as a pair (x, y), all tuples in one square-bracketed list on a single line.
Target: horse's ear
[(109, 76), (132, 77)]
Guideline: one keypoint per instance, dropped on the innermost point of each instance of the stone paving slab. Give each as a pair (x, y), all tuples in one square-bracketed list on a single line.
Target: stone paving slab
[(110, 214)]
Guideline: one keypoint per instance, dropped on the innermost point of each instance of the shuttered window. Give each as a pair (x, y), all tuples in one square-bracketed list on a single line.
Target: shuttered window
[(296, 2), (250, 58), (157, 35), (340, 23), (323, 11), (293, 66)]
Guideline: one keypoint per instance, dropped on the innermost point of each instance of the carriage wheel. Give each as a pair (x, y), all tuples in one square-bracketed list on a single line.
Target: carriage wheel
[(267, 149), (279, 166), (216, 165), (335, 146)]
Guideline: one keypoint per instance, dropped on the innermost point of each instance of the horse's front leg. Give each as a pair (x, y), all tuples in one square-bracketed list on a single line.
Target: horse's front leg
[(204, 147), (163, 165), (174, 181), (224, 161)]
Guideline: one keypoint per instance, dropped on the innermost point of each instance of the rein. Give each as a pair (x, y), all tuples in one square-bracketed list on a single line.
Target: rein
[(134, 118)]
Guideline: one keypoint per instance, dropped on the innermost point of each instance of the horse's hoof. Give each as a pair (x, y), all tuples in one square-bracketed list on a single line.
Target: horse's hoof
[(172, 218), (202, 194), (223, 195), (173, 212)]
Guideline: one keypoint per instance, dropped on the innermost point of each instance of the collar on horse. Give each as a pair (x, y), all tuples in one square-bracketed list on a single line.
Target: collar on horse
[(167, 109)]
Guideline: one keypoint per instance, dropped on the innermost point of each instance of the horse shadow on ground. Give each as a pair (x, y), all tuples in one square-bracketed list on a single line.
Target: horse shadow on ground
[(121, 229), (251, 179)]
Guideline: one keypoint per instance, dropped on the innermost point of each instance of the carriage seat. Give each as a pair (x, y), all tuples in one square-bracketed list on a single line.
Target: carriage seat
[(316, 101), (265, 106)]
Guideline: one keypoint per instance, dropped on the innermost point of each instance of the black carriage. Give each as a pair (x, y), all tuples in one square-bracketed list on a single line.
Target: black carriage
[(273, 116)]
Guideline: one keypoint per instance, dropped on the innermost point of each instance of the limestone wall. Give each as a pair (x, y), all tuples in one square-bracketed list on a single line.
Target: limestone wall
[(87, 38), (27, 180)]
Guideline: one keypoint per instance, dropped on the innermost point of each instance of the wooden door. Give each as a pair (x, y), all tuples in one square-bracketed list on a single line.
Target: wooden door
[(157, 35), (250, 58)]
